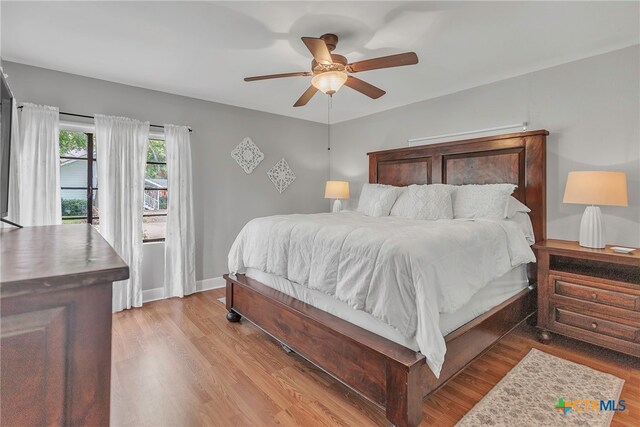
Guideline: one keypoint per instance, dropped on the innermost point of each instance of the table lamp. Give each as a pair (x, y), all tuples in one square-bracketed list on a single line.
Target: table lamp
[(595, 188), (336, 190)]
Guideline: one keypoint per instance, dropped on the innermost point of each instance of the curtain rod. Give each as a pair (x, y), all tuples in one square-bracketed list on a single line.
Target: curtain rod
[(523, 125), (91, 117)]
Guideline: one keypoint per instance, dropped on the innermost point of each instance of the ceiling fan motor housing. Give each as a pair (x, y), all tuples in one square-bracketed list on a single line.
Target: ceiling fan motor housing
[(331, 40)]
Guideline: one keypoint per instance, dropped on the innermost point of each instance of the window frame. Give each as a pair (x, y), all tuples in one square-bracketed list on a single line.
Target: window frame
[(89, 188), (153, 215)]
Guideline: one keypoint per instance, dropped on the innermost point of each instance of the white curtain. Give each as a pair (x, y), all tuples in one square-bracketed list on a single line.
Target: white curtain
[(179, 252), (121, 156), (38, 161), (13, 213)]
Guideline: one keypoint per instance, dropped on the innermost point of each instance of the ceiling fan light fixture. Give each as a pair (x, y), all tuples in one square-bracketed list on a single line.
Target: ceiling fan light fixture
[(329, 82)]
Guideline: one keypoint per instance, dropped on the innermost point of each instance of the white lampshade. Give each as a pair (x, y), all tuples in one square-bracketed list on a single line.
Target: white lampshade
[(329, 82), (596, 188), (336, 190)]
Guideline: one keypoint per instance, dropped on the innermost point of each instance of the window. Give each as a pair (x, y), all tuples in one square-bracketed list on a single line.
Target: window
[(155, 192), (78, 178), (79, 184)]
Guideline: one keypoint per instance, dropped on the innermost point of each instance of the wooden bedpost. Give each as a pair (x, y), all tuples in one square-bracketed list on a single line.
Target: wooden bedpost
[(232, 316), (404, 395)]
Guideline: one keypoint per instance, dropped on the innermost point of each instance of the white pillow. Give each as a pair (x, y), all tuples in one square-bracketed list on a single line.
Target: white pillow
[(377, 199), (514, 206), (523, 220), (481, 201), (424, 202)]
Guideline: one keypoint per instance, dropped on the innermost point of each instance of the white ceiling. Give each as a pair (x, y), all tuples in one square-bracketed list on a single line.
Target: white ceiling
[(204, 49)]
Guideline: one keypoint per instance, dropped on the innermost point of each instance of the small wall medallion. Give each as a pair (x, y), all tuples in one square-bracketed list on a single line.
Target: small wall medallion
[(281, 175), (248, 155)]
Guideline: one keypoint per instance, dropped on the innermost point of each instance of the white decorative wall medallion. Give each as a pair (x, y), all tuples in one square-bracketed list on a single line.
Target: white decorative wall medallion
[(281, 175), (248, 155)]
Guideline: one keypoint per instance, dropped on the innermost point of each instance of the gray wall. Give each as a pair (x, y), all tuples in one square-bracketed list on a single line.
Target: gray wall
[(590, 107), (225, 198)]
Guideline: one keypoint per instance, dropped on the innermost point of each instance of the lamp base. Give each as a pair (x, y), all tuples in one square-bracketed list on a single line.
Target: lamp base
[(337, 206), (591, 228)]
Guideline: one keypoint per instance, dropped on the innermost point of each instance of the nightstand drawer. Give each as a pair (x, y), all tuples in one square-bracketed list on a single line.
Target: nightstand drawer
[(596, 325), (587, 291)]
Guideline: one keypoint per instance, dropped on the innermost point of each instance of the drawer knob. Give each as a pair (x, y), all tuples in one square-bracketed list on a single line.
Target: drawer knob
[(594, 296), (594, 325)]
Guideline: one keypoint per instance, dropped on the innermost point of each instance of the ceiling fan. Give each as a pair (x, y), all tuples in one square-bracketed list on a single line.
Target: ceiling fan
[(330, 71)]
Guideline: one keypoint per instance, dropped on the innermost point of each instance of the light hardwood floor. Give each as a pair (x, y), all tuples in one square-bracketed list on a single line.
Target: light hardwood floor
[(179, 362)]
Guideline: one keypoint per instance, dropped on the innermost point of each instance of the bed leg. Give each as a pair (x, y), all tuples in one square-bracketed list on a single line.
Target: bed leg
[(404, 396), (544, 336), (233, 317)]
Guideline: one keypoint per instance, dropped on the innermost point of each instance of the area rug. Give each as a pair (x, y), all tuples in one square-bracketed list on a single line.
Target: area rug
[(544, 390)]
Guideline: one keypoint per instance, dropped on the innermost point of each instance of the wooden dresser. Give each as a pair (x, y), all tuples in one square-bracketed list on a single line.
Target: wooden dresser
[(55, 301), (589, 294)]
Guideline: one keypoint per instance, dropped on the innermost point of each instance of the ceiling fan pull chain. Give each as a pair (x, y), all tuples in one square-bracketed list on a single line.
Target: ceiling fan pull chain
[(329, 106)]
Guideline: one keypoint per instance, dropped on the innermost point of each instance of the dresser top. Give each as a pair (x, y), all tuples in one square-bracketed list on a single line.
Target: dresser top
[(38, 259), (573, 249)]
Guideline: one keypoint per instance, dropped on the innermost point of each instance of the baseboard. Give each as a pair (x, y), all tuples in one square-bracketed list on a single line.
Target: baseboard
[(156, 294), (208, 284)]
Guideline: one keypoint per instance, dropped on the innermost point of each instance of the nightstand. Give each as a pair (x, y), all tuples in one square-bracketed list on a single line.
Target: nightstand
[(589, 294)]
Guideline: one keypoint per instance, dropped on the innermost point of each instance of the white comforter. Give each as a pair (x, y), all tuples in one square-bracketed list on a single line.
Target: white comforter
[(403, 272)]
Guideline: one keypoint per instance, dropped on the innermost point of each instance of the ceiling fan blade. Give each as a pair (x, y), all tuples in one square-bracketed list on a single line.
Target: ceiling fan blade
[(408, 58), (277, 76), (318, 49), (306, 96), (363, 87)]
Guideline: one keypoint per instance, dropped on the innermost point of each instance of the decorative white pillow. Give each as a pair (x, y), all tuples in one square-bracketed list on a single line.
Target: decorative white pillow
[(481, 201), (377, 199), (424, 202), (514, 206)]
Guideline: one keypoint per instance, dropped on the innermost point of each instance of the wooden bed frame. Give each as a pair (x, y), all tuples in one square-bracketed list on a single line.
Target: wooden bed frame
[(390, 375)]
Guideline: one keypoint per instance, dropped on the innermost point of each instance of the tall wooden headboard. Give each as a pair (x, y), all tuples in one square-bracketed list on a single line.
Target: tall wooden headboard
[(517, 158)]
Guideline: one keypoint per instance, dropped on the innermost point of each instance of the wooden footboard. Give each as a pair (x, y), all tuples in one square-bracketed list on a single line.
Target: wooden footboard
[(384, 372), (390, 375)]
